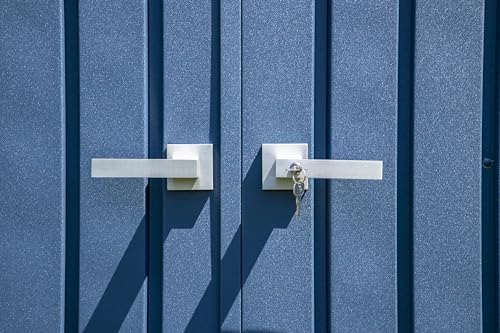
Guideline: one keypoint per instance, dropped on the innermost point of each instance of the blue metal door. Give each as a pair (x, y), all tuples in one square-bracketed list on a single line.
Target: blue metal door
[(411, 83)]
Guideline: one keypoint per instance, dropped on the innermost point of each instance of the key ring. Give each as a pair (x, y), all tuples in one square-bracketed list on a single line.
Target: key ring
[(298, 173)]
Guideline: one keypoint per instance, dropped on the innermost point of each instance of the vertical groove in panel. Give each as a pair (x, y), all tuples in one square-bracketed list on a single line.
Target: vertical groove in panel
[(489, 183), (321, 93), (447, 165), (215, 131), (32, 164), (241, 165), (230, 159), (328, 153), (405, 165), (72, 81), (154, 202)]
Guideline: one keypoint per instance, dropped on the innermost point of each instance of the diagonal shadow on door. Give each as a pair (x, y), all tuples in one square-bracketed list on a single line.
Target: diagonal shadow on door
[(123, 287), (132, 269), (262, 211)]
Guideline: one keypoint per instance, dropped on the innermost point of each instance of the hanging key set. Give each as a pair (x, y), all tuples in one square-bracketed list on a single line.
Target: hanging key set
[(287, 167), (299, 187)]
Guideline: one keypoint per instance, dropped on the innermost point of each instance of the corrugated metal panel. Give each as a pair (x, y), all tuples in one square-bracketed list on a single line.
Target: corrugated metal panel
[(277, 88), (413, 83), (447, 171), (363, 125), (113, 107), (32, 180), (230, 155), (191, 224)]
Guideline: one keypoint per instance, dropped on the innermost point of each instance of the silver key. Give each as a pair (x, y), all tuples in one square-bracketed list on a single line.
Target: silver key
[(298, 177), (298, 192)]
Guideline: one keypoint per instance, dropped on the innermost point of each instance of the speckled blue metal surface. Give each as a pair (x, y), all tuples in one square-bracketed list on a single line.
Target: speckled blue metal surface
[(447, 243), (191, 225), (32, 167), (364, 40), (230, 155), (113, 73), (238, 74), (277, 95)]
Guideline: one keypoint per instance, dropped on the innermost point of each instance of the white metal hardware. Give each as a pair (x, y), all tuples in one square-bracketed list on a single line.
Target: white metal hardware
[(144, 168), (277, 159), (187, 167)]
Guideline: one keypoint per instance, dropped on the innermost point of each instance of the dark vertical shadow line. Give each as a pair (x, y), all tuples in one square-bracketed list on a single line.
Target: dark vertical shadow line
[(72, 96), (328, 152), (406, 68), (489, 179), (241, 165), (320, 151), (215, 133), (154, 197)]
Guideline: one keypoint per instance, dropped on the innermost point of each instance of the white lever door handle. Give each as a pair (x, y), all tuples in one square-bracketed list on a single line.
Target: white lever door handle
[(187, 167), (144, 168), (332, 169), (277, 159)]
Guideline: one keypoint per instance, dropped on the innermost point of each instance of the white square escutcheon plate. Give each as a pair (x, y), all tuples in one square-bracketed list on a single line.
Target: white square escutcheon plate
[(204, 154), (273, 151)]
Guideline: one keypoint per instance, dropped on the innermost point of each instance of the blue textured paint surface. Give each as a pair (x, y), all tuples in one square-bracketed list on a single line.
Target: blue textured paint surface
[(113, 124), (241, 84), (230, 127), (277, 88), (191, 225), (32, 167), (363, 126), (447, 244)]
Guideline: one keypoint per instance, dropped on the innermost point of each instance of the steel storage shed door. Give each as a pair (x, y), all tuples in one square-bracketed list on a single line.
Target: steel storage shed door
[(403, 93)]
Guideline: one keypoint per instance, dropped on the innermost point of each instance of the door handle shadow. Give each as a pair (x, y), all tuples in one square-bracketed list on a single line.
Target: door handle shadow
[(182, 209), (262, 212), (131, 272), (123, 287)]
